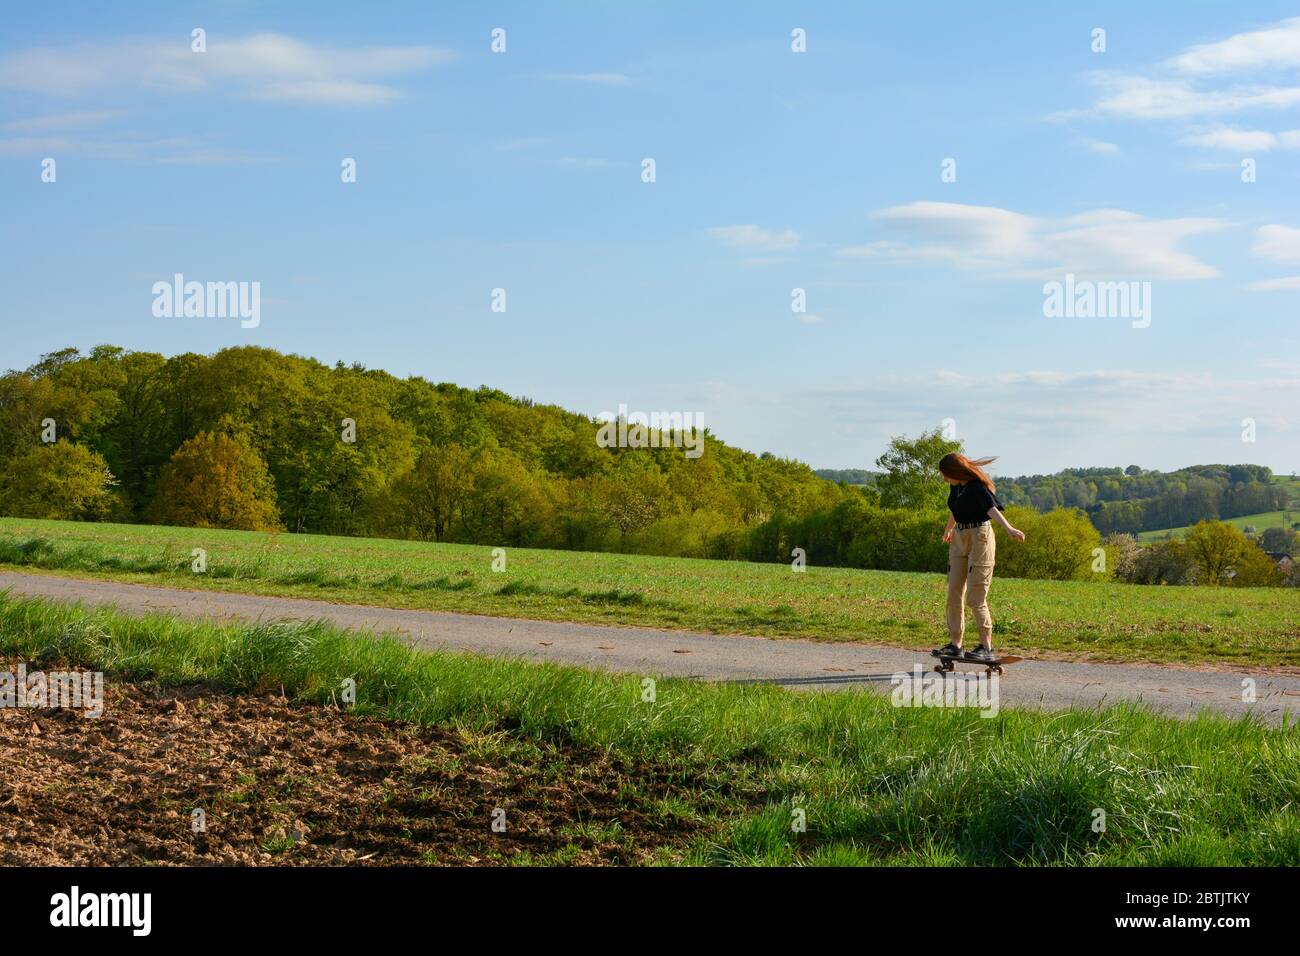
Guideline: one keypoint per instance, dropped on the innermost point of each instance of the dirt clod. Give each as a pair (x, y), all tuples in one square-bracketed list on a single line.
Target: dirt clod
[(286, 783)]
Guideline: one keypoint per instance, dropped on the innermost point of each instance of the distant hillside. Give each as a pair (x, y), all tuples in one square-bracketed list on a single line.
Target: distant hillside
[(1135, 500), (849, 476)]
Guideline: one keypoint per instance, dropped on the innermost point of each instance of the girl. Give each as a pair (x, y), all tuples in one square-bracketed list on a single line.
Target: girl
[(971, 546)]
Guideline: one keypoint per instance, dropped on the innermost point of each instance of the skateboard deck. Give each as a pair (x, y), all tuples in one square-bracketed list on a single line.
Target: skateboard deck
[(948, 662)]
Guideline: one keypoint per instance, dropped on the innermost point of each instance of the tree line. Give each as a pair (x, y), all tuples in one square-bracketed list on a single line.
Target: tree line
[(255, 439), (252, 438), (1133, 500)]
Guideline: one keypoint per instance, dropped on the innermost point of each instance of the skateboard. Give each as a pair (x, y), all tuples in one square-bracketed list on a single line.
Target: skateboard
[(947, 662)]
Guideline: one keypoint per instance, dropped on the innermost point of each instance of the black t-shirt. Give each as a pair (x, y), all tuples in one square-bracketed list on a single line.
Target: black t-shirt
[(971, 502)]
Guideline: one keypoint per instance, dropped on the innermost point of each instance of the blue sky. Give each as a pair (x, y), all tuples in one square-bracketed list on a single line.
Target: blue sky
[(775, 170)]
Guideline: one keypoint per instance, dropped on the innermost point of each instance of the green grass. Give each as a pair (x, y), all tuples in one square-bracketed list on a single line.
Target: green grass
[(1292, 485), (1095, 620), (879, 785), (1265, 519)]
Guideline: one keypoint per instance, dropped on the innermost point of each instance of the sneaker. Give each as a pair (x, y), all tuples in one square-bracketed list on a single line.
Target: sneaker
[(982, 654), (949, 650)]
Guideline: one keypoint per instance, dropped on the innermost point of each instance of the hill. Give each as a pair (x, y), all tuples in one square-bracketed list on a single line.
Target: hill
[(253, 438), (1135, 500)]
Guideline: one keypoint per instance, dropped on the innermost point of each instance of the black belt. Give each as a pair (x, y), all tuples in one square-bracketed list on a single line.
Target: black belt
[(971, 524)]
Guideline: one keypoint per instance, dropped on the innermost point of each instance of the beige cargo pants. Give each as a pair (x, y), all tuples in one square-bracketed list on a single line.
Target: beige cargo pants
[(970, 572)]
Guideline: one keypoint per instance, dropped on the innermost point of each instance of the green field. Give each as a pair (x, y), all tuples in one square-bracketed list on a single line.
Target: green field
[(1265, 519), (737, 765), (1085, 620)]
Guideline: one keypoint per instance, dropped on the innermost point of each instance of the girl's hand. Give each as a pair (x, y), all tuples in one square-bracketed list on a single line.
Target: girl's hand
[(947, 535), (1016, 534)]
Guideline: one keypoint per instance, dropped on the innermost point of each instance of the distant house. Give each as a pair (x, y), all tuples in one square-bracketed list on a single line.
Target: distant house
[(1282, 560)]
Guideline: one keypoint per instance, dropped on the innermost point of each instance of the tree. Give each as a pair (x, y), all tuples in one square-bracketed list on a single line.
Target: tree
[(697, 482), (429, 496), (911, 476), (136, 444), (216, 481), (1215, 547), (633, 497), (1255, 569), (1280, 541), (507, 505), (60, 481), (1223, 555)]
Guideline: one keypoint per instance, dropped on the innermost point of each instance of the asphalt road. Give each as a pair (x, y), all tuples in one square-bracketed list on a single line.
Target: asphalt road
[(805, 665)]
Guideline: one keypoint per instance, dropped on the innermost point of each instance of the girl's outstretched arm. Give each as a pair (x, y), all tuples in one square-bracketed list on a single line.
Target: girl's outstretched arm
[(998, 516)]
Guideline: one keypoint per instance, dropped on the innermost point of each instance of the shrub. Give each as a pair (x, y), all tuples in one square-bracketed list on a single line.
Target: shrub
[(1122, 552), (60, 481), (1059, 545), (1165, 562), (216, 481)]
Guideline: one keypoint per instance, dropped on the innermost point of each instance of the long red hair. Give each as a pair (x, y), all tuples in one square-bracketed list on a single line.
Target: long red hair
[(960, 468)]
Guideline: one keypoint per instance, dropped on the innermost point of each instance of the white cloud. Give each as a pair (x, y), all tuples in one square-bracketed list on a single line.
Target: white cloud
[(1277, 243), (1101, 147), (1281, 244), (1239, 140), (1142, 97), (1116, 242), (1277, 47), (326, 92), (1104, 243), (756, 237), (265, 66), (1248, 71), (964, 233)]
